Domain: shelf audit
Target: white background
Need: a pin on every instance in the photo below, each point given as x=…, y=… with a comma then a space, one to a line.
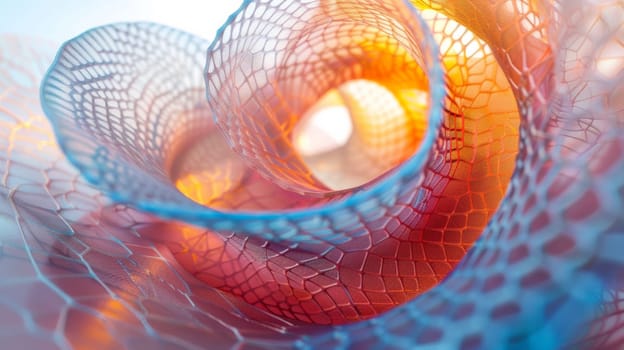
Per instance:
x=60, y=20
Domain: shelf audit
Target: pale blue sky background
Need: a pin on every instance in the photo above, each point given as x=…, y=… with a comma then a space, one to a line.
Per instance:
x=59, y=20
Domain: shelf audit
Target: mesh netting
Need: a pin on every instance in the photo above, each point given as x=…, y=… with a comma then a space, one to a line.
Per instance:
x=477, y=198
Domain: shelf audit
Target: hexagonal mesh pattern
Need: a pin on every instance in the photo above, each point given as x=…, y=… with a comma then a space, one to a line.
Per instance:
x=495, y=222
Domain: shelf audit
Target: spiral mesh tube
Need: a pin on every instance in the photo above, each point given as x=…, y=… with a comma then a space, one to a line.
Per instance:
x=475, y=204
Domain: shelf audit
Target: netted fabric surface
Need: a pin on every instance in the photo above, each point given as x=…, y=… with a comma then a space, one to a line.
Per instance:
x=249, y=243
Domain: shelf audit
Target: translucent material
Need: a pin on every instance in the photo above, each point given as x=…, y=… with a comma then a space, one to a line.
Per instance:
x=494, y=223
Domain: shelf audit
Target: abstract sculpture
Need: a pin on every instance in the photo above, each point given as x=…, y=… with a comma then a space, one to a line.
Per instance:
x=476, y=203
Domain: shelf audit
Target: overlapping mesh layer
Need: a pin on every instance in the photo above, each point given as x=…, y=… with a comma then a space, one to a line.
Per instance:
x=472, y=92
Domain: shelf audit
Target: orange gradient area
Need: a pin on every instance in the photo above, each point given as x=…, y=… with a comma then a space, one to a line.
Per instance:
x=86, y=329
x=382, y=133
x=380, y=123
x=208, y=170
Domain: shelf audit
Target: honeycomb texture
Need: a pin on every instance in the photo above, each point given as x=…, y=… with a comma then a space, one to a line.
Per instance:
x=491, y=213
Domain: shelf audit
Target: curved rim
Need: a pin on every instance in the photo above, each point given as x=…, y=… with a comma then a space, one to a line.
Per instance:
x=198, y=213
